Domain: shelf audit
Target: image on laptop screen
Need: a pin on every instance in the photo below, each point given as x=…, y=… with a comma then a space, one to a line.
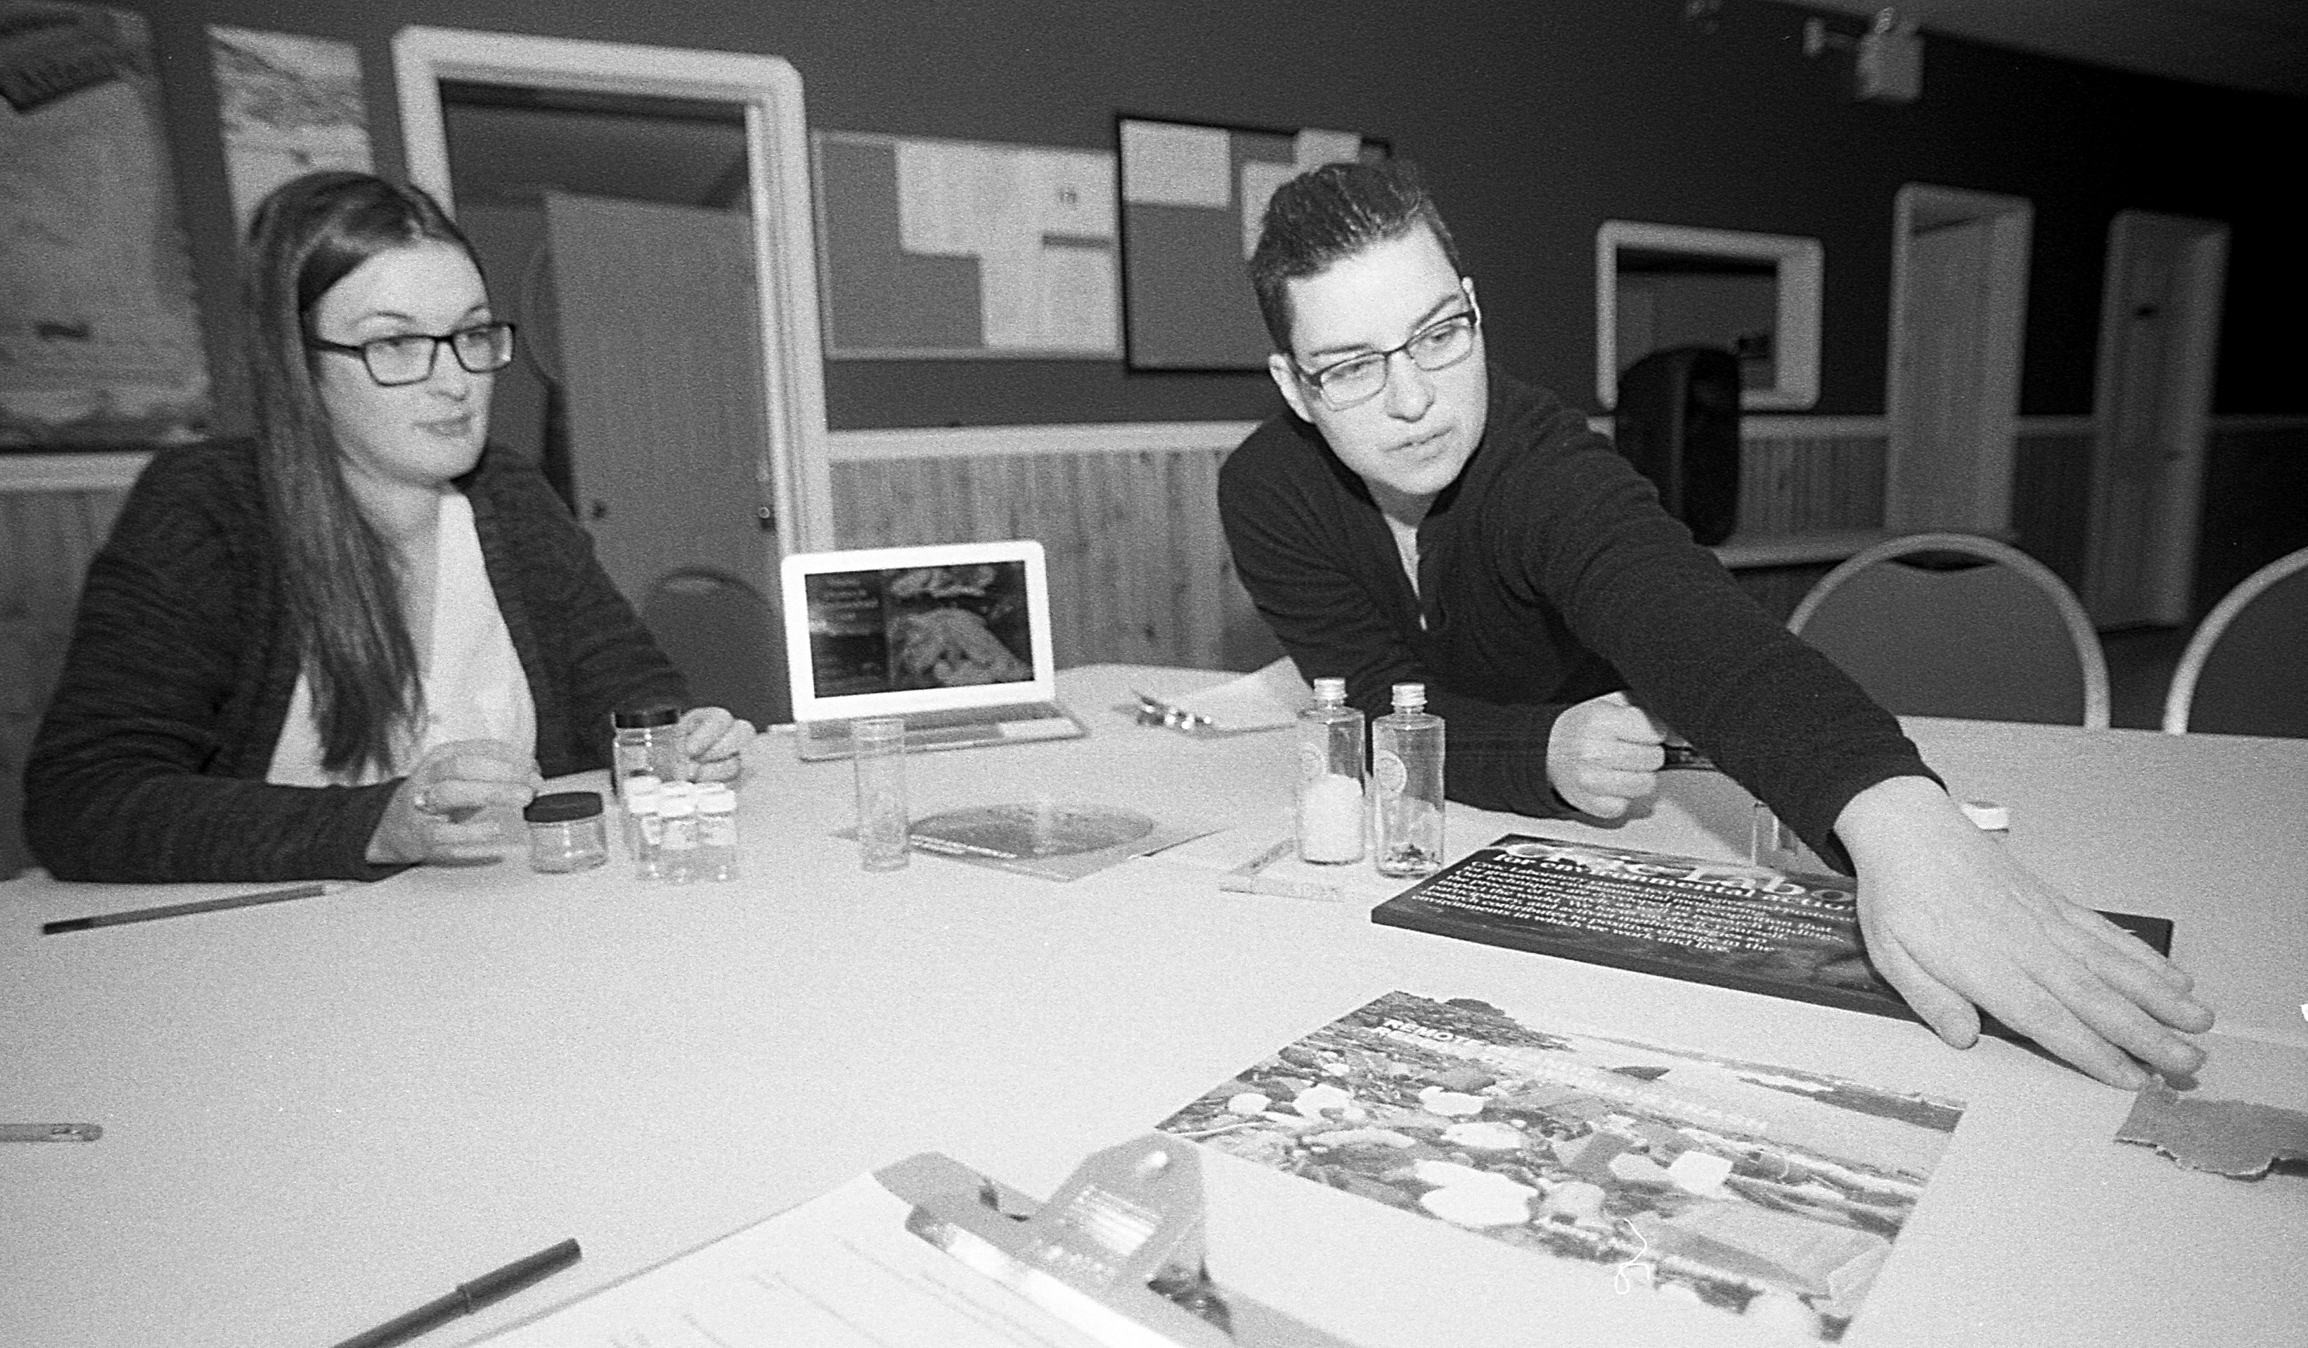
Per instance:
x=934, y=628
x=896, y=629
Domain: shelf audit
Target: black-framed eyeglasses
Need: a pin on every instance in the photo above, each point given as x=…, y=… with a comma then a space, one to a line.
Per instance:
x=483, y=348
x=1358, y=379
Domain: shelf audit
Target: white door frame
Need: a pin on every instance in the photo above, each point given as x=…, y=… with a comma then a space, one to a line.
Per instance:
x=2011, y=224
x=777, y=160
x=2183, y=413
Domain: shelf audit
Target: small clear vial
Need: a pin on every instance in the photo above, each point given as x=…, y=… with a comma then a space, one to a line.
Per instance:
x=647, y=742
x=644, y=826
x=677, y=833
x=1406, y=772
x=1330, y=805
x=878, y=753
x=566, y=832
x=716, y=831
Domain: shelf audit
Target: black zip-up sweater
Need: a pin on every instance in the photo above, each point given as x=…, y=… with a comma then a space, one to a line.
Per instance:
x=1548, y=574
x=150, y=763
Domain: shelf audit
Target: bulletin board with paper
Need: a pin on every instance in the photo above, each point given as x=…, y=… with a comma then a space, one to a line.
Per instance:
x=934, y=248
x=1192, y=197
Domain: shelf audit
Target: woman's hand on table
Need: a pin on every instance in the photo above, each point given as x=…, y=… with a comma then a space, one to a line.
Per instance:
x=440, y=813
x=1604, y=755
x=714, y=743
x=1958, y=926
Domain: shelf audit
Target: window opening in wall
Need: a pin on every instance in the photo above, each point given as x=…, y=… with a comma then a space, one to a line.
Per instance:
x=1755, y=295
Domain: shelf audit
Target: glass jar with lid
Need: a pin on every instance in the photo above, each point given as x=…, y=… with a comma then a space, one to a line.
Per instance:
x=566, y=832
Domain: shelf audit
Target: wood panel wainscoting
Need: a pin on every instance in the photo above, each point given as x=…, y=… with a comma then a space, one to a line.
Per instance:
x=2051, y=493
x=1810, y=494
x=1129, y=513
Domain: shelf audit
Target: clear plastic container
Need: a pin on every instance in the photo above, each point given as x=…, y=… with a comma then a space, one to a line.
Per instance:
x=716, y=832
x=884, y=831
x=1770, y=842
x=566, y=832
x=643, y=825
x=1406, y=772
x=677, y=833
x=647, y=742
x=1330, y=806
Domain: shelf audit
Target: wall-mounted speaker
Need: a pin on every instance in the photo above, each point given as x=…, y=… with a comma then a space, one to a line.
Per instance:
x=1678, y=423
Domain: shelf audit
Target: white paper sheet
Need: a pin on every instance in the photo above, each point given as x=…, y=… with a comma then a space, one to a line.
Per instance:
x=840, y=1271
x=1314, y=147
x=1261, y=700
x=1164, y=164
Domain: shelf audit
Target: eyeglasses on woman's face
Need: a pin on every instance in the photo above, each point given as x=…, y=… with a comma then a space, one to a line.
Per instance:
x=1358, y=379
x=409, y=357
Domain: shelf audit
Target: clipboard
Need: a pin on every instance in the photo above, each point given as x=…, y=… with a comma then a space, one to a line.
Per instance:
x=928, y=1250
x=1117, y=1252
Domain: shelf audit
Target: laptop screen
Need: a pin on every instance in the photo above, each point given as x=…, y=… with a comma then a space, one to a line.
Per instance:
x=892, y=630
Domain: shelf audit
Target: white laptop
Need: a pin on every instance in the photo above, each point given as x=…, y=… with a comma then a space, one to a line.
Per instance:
x=954, y=637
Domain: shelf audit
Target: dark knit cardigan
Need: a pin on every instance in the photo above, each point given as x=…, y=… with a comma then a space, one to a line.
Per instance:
x=1548, y=574
x=150, y=763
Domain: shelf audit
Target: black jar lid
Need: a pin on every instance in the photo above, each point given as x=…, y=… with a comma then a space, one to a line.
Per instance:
x=645, y=718
x=562, y=807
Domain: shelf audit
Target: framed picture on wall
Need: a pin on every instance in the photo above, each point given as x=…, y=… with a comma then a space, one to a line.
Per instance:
x=1192, y=196
x=291, y=105
x=100, y=342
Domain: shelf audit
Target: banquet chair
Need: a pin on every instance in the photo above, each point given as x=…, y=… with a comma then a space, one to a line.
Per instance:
x=2245, y=671
x=1947, y=624
x=725, y=638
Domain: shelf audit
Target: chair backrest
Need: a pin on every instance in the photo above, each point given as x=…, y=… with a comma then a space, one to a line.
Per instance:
x=1958, y=625
x=2245, y=671
x=725, y=638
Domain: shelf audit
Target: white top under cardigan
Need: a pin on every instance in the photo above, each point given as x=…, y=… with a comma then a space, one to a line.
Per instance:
x=473, y=684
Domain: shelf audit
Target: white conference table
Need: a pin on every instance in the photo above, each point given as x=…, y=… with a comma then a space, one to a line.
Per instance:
x=320, y=1114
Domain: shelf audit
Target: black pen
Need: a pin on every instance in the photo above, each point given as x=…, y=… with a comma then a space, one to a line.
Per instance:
x=469, y=1297
x=1685, y=757
x=181, y=909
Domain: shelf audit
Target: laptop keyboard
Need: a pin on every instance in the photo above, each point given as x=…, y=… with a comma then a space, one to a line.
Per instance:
x=972, y=716
x=1024, y=721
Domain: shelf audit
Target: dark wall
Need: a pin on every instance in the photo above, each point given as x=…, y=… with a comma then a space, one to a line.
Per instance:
x=1535, y=122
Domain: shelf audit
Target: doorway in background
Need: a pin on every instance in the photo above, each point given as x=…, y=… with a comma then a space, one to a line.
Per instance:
x=595, y=120
x=1958, y=307
x=2151, y=406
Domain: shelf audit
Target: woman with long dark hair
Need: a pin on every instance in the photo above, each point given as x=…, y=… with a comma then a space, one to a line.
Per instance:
x=332, y=648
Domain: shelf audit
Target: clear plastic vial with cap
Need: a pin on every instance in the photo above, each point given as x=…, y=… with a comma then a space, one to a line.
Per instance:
x=677, y=833
x=647, y=742
x=1330, y=805
x=644, y=827
x=565, y=832
x=716, y=831
x=1406, y=772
